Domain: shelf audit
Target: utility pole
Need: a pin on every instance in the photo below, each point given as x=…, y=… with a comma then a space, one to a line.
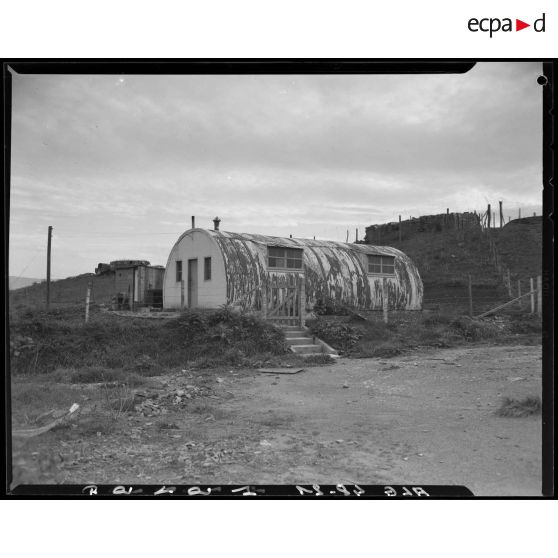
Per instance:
x=501, y=215
x=48, y=268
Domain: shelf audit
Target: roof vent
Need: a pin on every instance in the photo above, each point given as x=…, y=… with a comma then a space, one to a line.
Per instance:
x=216, y=222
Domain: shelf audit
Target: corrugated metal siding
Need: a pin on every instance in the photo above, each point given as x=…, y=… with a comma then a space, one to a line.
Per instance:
x=332, y=269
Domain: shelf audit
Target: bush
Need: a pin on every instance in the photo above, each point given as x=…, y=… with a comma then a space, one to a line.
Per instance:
x=338, y=335
x=520, y=407
x=60, y=339
x=330, y=307
x=474, y=330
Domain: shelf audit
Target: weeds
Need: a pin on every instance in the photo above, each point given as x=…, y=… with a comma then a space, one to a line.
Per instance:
x=515, y=408
x=44, y=342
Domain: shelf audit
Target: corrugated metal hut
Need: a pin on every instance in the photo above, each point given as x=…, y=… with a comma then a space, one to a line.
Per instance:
x=209, y=268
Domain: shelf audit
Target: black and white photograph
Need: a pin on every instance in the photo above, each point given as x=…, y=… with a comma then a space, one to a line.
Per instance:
x=321, y=279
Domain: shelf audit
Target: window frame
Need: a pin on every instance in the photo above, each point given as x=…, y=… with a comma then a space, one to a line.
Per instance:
x=391, y=266
x=282, y=254
x=206, y=268
x=179, y=271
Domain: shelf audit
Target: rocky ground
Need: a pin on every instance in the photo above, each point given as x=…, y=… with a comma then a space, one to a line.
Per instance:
x=425, y=418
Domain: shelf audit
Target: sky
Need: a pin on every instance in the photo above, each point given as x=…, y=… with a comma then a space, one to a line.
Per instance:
x=118, y=164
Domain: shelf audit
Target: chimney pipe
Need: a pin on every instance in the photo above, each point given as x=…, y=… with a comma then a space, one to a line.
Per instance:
x=193, y=221
x=216, y=222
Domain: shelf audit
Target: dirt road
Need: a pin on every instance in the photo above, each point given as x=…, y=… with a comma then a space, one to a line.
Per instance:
x=421, y=419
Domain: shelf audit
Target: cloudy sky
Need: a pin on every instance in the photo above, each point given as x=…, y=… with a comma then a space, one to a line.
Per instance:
x=118, y=164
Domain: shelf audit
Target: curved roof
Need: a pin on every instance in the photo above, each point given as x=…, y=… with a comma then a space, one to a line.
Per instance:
x=332, y=269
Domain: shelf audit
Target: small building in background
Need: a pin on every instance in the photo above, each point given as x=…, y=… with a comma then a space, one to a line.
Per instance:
x=137, y=284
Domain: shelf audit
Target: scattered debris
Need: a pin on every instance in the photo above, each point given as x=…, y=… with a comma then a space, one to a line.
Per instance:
x=30, y=432
x=280, y=370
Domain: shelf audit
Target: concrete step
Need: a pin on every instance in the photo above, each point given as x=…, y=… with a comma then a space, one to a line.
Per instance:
x=298, y=340
x=306, y=349
x=295, y=333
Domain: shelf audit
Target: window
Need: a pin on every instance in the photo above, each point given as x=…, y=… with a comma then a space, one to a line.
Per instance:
x=284, y=258
x=384, y=265
x=207, y=269
x=178, y=271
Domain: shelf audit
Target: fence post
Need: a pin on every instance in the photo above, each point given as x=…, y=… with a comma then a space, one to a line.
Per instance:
x=399, y=228
x=519, y=293
x=539, y=295
x=384, y=300
x=263, y=291
x=302, y=299
x=532, y=297
x=470, y=297
x=87, y=299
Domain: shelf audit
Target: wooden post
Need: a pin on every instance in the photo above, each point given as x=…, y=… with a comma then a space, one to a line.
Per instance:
x=532, y=285
x=519, y=213
x=193, y=221
x=399, y=228
x=501, y=215
x=264, y=301
x=356, y=235
x=489, y=215
x=539, y=295
x=470, y=296
x=508, y=276
x=385, y=300
x=302, y=300
x=519, y=293
x=87, y=299
x=182, y=293
x=49, y=243
x=347, y=239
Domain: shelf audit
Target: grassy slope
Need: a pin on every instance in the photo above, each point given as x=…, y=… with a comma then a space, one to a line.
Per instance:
x=65, y=292
x=519, y=244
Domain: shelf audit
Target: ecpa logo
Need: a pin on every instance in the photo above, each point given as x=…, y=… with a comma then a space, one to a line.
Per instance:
x=494, y=24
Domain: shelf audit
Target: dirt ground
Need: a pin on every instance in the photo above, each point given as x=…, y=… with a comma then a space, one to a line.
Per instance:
x=426, y=418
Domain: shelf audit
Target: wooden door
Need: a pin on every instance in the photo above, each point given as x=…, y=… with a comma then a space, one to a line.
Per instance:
x=285, y=294
x=192, y=283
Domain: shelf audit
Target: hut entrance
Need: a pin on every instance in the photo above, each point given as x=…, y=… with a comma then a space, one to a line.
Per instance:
x=284, y=297
x=192, y=283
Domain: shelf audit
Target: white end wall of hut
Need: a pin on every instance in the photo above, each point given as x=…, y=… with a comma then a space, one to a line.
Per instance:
x=195, y=244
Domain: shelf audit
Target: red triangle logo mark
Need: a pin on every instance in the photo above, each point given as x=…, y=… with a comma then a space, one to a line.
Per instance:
x=519, y=25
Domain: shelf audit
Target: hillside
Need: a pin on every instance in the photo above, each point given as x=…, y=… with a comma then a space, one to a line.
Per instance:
x=519, y=245
x=65, y=291
x=446, y=256
x=20, y=282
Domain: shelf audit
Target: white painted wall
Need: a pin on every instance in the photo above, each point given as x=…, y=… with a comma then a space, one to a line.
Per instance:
x=195, y=243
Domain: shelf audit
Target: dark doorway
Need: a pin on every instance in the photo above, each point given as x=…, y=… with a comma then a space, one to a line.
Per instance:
x=192, y=283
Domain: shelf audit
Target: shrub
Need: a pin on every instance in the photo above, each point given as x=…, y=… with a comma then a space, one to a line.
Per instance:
x=520, y=407
x=338, y=335
x=44, y=342
x=328, y=306
x=474, y=330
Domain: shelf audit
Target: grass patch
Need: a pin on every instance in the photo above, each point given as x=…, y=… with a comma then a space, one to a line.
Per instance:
x=42, y=342
x=317, y=360
x=372, y=337
x=515, y=408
